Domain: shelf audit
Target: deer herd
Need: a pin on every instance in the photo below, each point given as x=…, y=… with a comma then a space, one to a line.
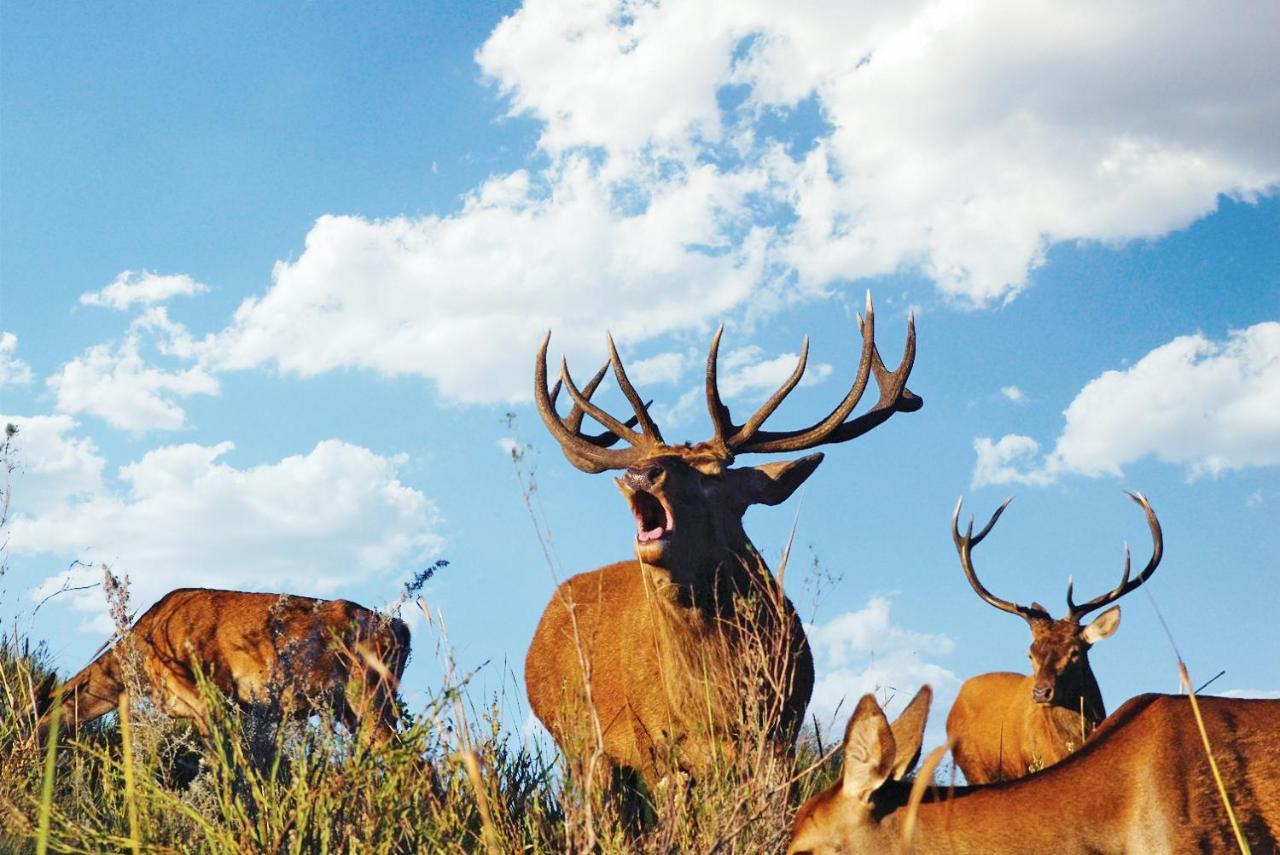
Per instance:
x=636, y=666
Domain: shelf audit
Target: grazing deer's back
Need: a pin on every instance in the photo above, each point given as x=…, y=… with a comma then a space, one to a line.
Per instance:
x=244, y=640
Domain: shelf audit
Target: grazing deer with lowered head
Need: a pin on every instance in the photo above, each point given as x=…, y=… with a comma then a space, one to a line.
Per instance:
x=1141, y=784
x=302, y=653
x=1002, y=724
x=634, y=663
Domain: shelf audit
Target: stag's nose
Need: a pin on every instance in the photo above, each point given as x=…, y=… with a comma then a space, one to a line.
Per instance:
x=1042, y=694
x=645, y=476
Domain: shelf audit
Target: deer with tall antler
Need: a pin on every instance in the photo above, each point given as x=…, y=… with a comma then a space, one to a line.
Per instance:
x=634, y=662
x=1002, y=724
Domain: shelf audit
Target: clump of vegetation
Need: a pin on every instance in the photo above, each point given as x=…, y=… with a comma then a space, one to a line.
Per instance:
x=454, y=779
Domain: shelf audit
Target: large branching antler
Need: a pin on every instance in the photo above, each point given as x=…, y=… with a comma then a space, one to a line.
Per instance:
x=895, y=397
x=592, y=453
x=964, y=545
x=1075, y=612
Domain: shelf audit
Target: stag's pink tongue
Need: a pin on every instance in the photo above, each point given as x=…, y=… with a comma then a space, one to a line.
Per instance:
x=647, y=534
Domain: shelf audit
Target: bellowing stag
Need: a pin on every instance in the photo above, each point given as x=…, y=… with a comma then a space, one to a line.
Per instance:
x=1003, y=724
x=1141, y=784
x=302, y=653
x=635, y=662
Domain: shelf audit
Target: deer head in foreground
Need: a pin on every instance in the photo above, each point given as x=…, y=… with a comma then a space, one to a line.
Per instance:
x=641, y=652
x=1004, y=724
x=303, y=653
x=1142, y=784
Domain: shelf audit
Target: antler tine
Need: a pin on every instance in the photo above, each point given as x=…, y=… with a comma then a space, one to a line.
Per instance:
x=642, y=413
x=796, y=440
x=743, y=436
x=580, y=450
x=719, y=413
x=895, y=397
x=595, y=412
x=1126, y=585
x=573, y=421
x=964, y=546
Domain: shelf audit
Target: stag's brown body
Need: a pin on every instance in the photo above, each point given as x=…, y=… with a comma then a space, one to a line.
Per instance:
x=665, y=671
x=655, y=664
x=1142, y=784
x=302, y=653
x=1004, y=725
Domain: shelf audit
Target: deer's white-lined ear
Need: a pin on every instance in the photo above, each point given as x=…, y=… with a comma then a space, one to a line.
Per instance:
x=1103, y=626
x=868, y=751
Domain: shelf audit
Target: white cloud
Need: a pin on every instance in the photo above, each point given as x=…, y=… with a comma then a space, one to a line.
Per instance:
x=768, y=154
x=666, y=367
x=1012, y=459
x=117, y=385
x=465, y=299
x=864, y=651
x=309, y=523
x=962, y=138
x=1212, y=407
x=53, y=467
x=1013, y=393
x=1272, y=694
x=143, y=287
x=13, y=371
x=746, y=372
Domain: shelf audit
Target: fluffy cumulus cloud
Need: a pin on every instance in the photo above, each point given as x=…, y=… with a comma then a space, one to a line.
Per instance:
x=465, y=299
x=960, y=137
x=118, y=385
x=865, y=651
x=53, y=465
x=746, y=372
x=183, y=516
x=1208, y=406
x=142, y=288
x=770, y=153
x=13, y=371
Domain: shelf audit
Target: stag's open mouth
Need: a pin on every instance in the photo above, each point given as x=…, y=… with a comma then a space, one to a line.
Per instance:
x=653, y=520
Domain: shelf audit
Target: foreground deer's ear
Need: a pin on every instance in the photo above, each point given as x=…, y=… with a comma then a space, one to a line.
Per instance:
x=773, y=483
x=868, y=751
x=1103, y=626
x=908, y=732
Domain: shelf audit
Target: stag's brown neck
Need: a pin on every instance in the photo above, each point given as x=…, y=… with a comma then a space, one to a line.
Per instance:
x=713, y=589
x=1074, y=718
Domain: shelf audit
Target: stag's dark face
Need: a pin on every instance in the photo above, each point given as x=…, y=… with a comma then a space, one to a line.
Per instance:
x=1059, y=655
x=688, y=506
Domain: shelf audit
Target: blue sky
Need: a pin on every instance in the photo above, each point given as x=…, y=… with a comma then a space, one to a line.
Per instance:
x=272, y=278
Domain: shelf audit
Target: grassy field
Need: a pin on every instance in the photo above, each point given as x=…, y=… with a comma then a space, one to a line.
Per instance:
x=453, y=780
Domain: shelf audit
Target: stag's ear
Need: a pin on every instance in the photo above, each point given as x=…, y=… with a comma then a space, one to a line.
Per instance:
x=1103, y=626
x=773, y=483
x=908, y=732
x=868, y=751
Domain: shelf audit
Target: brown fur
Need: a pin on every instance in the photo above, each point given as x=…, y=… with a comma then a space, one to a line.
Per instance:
x=1141, y=784
x=255, y=648
x=665, y=639
x=999, y=731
